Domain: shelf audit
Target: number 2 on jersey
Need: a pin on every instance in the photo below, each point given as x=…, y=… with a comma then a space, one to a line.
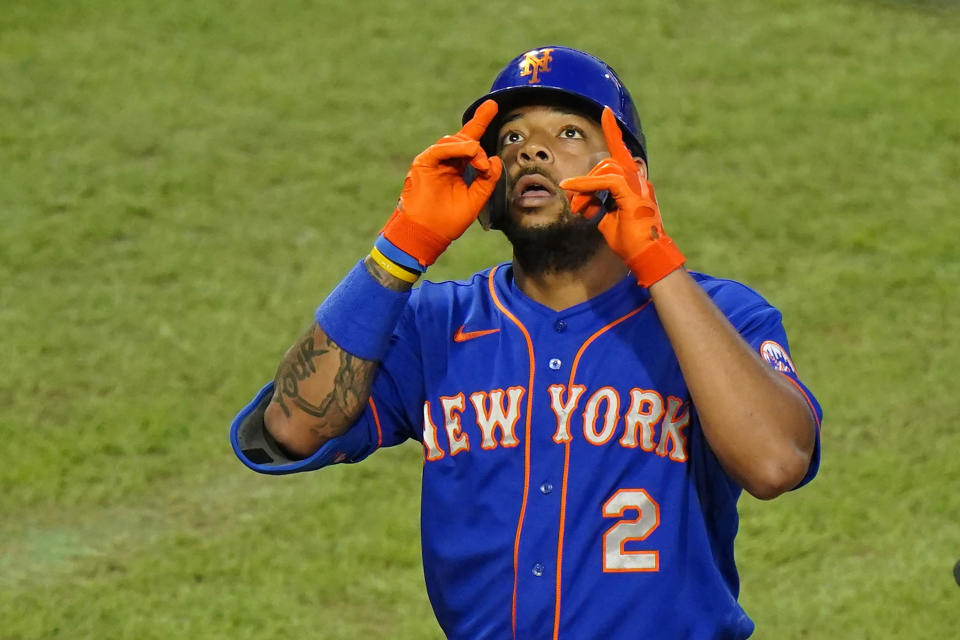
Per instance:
x=615, y=557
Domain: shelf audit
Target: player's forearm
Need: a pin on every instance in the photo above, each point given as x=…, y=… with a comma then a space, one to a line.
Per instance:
x=756, y=422
x=321, y=389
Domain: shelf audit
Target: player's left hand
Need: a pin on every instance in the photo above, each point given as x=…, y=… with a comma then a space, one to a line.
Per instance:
x=634, y=230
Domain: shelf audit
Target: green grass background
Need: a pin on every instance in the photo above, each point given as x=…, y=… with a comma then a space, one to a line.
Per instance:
x=182, y=182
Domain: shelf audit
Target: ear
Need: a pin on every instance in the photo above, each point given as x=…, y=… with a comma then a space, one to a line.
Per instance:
x=642, y=165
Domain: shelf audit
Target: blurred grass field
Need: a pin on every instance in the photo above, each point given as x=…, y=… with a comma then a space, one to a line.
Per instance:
x=182, y=182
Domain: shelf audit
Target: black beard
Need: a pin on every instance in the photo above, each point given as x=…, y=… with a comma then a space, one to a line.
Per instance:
x=561, y=246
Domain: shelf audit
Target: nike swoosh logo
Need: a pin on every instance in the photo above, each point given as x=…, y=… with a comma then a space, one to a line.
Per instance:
x=463, y=336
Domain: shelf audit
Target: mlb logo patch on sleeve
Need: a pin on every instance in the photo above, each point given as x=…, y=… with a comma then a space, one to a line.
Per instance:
x=776, y=356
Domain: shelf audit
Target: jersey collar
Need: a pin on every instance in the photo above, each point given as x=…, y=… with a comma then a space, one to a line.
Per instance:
x=619, y=299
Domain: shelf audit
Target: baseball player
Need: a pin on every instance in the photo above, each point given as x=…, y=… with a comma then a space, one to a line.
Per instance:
x=589, y=412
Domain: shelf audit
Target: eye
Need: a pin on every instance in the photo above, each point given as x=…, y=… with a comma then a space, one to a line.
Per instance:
x=510, y=137
x=571, y=132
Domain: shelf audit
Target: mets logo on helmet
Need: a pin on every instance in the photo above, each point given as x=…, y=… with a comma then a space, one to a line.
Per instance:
x=534, y=63
x=776, y=356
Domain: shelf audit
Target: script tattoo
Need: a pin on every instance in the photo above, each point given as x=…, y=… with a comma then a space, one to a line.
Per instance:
x=351, y=383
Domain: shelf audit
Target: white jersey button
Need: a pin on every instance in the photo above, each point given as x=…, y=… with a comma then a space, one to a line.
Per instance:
x=555, y=364
x=537, y=570
x=546, y=488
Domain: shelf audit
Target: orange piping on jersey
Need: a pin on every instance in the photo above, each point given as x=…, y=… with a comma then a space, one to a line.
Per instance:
x=526, y=445
x=563, y=508
x=566, y=466
x=816, y=418
x=376, y=421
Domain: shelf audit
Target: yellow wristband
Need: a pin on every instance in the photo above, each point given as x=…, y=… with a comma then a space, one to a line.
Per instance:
x=392, y=267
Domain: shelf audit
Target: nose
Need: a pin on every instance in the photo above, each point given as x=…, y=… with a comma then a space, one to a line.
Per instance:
x=532, y=152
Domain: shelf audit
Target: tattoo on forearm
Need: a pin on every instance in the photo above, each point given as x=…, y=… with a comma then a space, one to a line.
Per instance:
x=297, y=366
x=351, y=384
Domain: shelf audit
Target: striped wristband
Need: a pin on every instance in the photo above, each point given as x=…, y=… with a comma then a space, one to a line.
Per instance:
x=397, y=255
x=393, y=268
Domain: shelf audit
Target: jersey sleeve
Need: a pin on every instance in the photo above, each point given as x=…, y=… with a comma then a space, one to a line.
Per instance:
x=761, y=325
x=386, y=421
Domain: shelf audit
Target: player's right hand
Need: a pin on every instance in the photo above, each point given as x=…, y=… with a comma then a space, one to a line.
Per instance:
x=436, y=206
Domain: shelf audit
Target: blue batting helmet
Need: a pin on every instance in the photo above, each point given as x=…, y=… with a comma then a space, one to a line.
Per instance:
x=568, y=76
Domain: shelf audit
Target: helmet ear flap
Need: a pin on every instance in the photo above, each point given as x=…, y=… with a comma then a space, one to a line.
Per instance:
x=495, y=208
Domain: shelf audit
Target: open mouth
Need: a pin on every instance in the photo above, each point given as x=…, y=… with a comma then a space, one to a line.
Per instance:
x=533, y=190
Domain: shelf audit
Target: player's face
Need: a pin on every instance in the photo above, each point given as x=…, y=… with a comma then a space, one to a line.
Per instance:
x=541, y=146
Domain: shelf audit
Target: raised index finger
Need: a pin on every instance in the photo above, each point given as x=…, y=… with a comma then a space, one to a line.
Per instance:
x=481, y=119
x=614, y=137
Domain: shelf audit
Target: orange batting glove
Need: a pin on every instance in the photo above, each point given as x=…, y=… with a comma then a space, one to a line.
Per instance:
x=634, y=230
x=436, y=206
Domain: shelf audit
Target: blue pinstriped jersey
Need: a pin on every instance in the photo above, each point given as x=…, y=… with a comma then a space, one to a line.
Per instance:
x=568, y=490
